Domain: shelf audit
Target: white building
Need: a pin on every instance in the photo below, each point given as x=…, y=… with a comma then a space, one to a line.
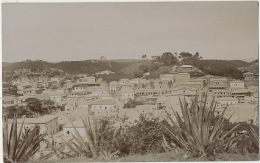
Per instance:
x=135, y=81
x=123, y=81
x=79, y=126
x=127, y=93
x=227, y=101
x=48, y=124
x=102, y=105
x=186, y=68
x=91, y=79
x=237, y=84
x=113, y=86
x=55, y=97
x=168, y=77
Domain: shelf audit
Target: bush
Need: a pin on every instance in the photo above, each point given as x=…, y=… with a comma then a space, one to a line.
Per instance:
x=145, y=136
x=132, y=104
x=198, y=132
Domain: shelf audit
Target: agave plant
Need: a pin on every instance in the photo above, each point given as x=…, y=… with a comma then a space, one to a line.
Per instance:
x=255, y=137
x=20, y=147
x=91, y=147
x=198, y=130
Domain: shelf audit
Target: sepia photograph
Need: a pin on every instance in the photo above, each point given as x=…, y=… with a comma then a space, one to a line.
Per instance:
x=130, y=81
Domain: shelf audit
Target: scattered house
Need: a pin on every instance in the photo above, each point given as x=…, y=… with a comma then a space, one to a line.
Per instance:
x=166, y=102
x=29, y=91
x=78, y=124
x=146, y=74
x=113, y=86
x=78, y=87
x=82, y=75
x=127, y=93
x=82, y=105
x=55, y=79
x=156, y=57
x=123, y=81
x=237, y=84
x=249, y=76
x=221, y=93
x=135, y=81
x=102, y=105
x=227, y=101
x=105, y=72
x=147, y=92
x=181, y=77
x=174, y=68
x=91, y=79
x=242, y=113
x=207, y=78
x=148, y=100
x=96, y=91
x=70, y=107
x=48, y=124
x=106, y=96
x=218, y=83
x=193, y=84
x=55, y=97
x=186, y=68
x=60, y=91
x=168, y=77
x=182, y=91
x=240, y=94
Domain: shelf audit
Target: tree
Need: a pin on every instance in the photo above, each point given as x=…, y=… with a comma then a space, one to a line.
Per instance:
x=144, y=68
x=168, y=58
x=34, y=105
x=138, y=74
x=144, y=56
x=185, y=55
x=154, y=66
x=152, y=84
x=132, y=104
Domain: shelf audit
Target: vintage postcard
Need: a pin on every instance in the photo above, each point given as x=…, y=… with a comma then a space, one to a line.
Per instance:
x=130, y=82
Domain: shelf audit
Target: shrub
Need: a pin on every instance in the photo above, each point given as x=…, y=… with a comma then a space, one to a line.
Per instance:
x=143, y=137
x=20, y=146
x=132, y=103
x=197, y=132
x=100, y=139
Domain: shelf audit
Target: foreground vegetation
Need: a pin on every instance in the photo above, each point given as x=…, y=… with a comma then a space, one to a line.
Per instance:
x=195, y=134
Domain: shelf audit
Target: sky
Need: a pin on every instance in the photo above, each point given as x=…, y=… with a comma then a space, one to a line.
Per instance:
x=80, y=31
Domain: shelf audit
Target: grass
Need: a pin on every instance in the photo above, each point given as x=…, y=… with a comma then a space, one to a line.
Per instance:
x=163, y=157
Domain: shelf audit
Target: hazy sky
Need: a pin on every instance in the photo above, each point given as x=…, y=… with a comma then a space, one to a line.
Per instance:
x=81, y=31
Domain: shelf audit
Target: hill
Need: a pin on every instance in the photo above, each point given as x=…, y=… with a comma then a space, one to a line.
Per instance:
x=75, y=67
x=131, y=68
x=228, y=63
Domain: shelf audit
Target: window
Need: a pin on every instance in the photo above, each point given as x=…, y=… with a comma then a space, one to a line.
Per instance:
x=68, y=132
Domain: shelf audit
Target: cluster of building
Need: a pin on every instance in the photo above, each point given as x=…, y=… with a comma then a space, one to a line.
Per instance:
x=91, y=94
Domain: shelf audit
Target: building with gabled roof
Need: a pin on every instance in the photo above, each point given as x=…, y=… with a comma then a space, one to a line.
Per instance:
x=48, y=124
x=127, y=93
x=227, y=100
x=102, y=105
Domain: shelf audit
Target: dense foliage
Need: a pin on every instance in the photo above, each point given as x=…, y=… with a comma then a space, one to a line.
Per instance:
x=20, y=145
x=132, y=103
x=198, y=132
x=144, y=136
x=33, y=106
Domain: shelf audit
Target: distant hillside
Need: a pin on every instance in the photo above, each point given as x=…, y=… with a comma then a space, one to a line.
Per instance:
x=75, y=67
x=227, y=63
x=220, y=67
x=130, y=68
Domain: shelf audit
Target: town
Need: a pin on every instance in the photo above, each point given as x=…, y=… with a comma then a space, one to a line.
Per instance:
x=57, y=102
x=130, y=81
